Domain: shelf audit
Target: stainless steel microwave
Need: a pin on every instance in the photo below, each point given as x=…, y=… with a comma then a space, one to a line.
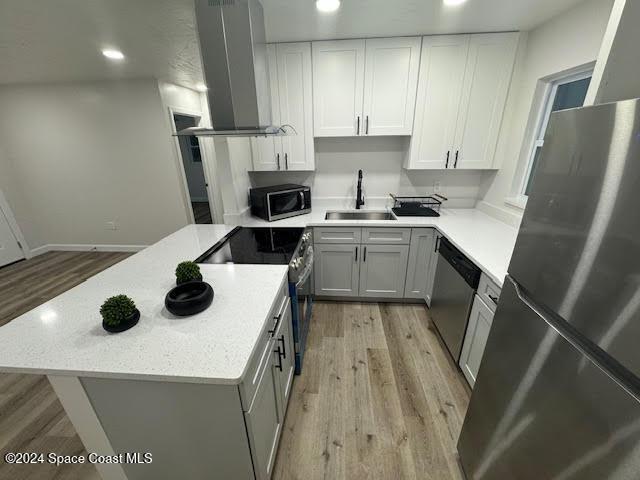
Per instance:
x=280, y=201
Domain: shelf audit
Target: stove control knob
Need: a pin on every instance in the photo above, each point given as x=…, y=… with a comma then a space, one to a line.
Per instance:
x=296, y=263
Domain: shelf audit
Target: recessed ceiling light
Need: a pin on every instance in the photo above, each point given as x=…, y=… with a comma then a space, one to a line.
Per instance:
x=327, y=5
x=201, y=87
x=453, y=3
x=113, y=54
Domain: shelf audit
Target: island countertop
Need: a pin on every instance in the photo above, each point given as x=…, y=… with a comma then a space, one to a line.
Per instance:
x=64, y=336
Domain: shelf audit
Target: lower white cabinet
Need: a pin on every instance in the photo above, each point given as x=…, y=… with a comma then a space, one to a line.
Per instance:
x=336, y=268
x=475, y=339
x=383, y=269
x=421, y=251
x=285, y=364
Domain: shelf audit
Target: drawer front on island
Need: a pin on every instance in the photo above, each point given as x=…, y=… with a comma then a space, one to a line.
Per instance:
x=265, y=347
x=337, y=234
x=386, y=236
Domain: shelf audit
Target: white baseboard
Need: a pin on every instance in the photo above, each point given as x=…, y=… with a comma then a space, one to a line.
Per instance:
x=502, y=214
x=71, y=247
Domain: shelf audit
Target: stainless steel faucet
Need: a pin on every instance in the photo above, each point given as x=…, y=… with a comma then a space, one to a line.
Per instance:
x=359, y=196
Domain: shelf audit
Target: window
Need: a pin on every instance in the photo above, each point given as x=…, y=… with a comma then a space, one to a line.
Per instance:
x=564, y=93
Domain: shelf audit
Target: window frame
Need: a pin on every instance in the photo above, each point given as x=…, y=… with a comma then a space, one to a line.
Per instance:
x=541, y=128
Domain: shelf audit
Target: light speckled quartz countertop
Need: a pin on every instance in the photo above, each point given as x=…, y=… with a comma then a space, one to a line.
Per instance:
x=64, y=336
x=486, y=241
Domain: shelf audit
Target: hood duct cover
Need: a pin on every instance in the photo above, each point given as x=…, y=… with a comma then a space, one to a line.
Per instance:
x=234, y=61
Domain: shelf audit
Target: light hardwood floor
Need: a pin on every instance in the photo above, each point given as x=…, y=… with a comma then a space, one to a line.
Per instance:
x=378, y=397
x=31, y=417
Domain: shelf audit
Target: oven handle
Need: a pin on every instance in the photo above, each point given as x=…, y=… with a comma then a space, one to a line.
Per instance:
x=307, y=271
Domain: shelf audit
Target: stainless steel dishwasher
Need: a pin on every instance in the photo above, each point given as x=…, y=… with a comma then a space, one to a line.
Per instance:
x=455, y=284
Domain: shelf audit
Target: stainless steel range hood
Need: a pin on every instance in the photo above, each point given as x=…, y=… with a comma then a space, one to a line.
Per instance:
x=234, y=63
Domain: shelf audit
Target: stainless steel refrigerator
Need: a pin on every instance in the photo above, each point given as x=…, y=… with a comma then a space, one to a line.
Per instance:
x=557, y=394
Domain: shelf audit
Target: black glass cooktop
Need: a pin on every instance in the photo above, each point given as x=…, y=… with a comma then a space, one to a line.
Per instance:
x=254, y=246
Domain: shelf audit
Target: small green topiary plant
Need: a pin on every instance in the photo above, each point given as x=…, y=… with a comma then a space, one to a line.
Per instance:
x=116, y=310
x=187, y=271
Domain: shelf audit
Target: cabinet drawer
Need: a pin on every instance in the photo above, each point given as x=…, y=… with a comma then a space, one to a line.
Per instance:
x=264, y=349
x=337, y=234
x=386, y=236
x=489, y=292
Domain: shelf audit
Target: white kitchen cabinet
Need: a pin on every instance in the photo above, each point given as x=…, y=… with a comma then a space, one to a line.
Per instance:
x=365, y=87
x=390, y=84
x=285, y=364
x=264, y=423
x=486, y=84
x=290, y=77
x=438, y=101
x=431, y=271
x=338, y=87
x=421, y=250
x=462, y=90
x=383, y=269
x=475, y=339
x=336, y=269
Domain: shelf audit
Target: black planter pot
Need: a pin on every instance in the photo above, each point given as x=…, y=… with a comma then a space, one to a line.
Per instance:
x=126, y=325
x=189, y=298
x=198, y=279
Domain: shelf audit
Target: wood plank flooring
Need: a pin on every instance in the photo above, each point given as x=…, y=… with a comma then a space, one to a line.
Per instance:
x=378, y=398
x=31, y=417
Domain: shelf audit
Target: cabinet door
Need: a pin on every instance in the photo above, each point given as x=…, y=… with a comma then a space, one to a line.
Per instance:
x=390, y=84
x=263, y=424
x=475, y=339
x=338, y=87
x=431, y=271
x=439, y=91
x=267, y=151
x=421, y=250
x=336, y=269
x=285, y=364
x=486, y=83
x=296, y=103
x=383, y=270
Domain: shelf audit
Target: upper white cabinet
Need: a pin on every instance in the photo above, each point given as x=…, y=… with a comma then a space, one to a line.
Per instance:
x=338, y=87
x=462, y=91
x=365, y=87
x=290, y=75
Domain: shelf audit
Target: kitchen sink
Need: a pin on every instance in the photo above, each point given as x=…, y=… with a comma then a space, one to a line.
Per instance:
x=359, y=216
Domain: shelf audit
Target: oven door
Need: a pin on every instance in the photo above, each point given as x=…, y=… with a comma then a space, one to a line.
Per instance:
x=303, y=305
x=288, y=203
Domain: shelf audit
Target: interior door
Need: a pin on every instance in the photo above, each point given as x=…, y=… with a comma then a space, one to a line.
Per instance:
x=390, y=84
x=338, y=87
x=296, y=104
x=542, y=409
x=439, y=91
x=486, y=84
x=10, y=251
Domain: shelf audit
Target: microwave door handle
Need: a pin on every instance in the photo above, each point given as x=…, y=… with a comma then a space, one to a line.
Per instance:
x=302, y=199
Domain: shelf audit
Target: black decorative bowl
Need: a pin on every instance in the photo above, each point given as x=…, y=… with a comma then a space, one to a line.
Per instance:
x=126, y=325
x=189, y=298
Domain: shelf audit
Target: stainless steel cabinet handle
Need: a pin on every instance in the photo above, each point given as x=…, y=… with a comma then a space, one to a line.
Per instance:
x=356, y=254
x=358, y=133
x=278, y=160
x=493, y=299
x=446, y=165
x=367, y=126
x=437, y=243
x=364, y=255
x=279, y=366
x=284, y=350
x=455, y=164
x=286, y=161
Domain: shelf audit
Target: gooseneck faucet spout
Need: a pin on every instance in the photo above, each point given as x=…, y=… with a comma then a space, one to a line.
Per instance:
x=359, y=196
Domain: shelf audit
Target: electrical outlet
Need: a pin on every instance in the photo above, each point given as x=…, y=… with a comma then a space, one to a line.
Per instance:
x=436, y=187
x=111, y=225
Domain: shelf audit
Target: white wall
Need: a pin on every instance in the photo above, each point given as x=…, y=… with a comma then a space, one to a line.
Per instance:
x=566, y=41
x=381, y=159
x=80, y=155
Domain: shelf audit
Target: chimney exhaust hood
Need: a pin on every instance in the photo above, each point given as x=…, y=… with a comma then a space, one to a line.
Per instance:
x=232, y=41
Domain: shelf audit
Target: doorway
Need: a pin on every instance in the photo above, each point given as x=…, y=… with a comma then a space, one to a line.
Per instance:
x=10, y=250
x=192, y=165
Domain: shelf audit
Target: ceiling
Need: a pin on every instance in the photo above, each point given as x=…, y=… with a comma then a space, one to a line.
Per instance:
x=45, y=41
